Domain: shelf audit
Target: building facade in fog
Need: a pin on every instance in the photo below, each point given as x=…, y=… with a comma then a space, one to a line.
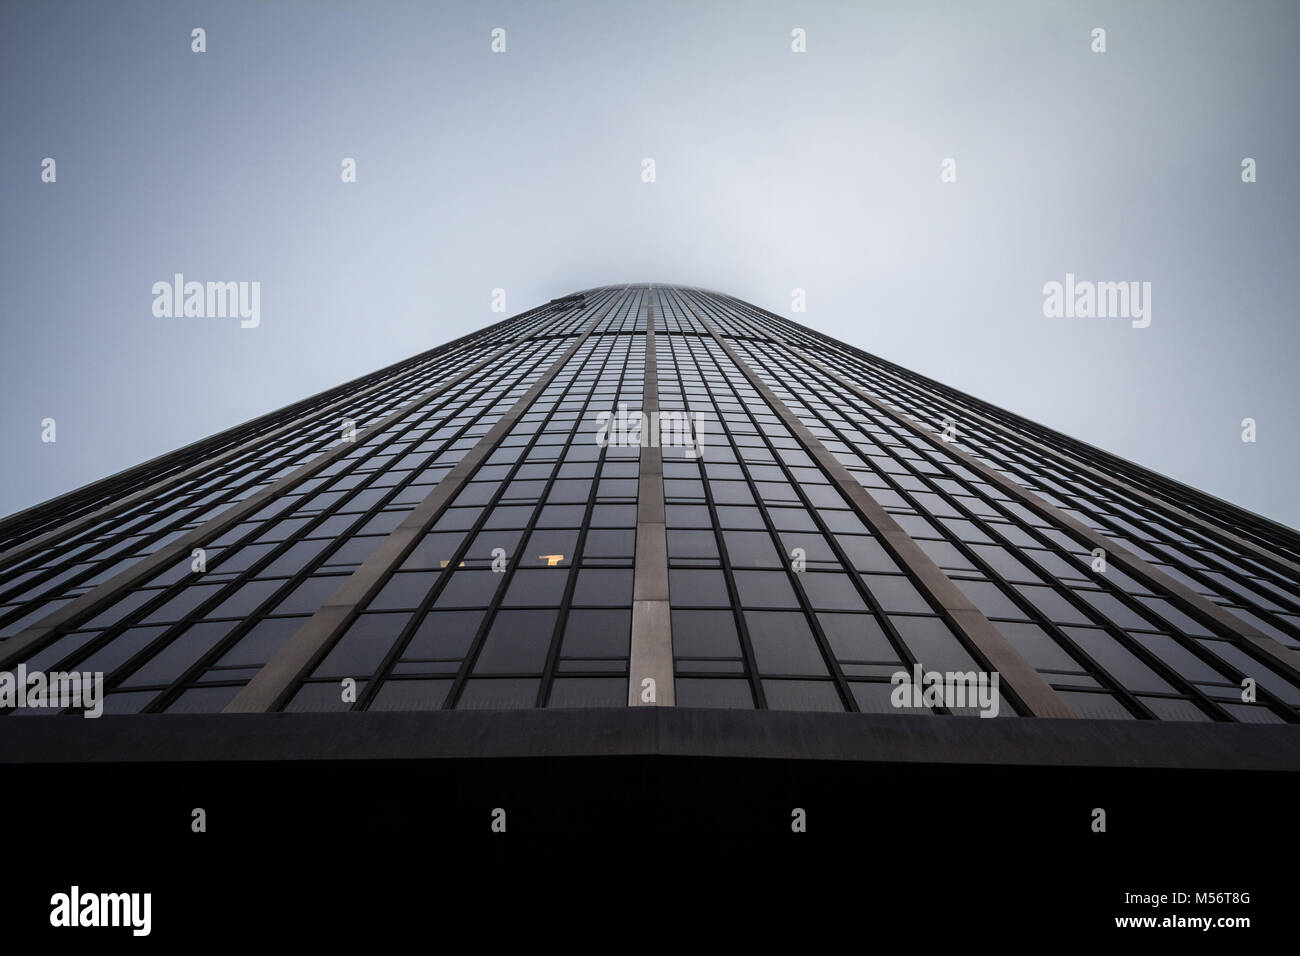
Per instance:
x=654, y=496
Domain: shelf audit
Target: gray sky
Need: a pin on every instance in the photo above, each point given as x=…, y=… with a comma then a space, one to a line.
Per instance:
x=775, y=171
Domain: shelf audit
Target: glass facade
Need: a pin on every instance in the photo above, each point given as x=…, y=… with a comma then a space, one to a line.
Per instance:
x=460, y=531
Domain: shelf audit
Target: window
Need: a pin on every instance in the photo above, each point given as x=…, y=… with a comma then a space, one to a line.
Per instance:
x=783, y=643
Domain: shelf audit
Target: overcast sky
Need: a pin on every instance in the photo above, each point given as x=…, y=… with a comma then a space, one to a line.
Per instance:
x=775, y=170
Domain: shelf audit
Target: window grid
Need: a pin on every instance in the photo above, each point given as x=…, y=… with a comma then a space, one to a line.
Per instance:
x=748, y=629
x=514, y=369
x=565, y=398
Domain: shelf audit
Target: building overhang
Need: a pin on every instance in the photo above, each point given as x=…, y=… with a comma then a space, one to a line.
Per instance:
x=650, y=731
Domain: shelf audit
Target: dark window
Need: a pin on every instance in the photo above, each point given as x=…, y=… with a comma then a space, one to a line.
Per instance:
x=517, y=643
x=405, y=589
x=603, y=586
x=468, y=588
x=359, y=651
x=544, y=586
x=705, y=634
x=261, y=642
x=765, y=589
x=181, y=654
x=697, y=586
x=692, y=544
x=714, y=692
x=933, y=645
x=443, y=634
x=597, y=633
x=783, y=643
x=856, y=637
x=831, y=592
x=751, y=549
x=801, y=695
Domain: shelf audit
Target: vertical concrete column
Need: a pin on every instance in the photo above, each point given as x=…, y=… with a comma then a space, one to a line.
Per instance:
x=650, y=675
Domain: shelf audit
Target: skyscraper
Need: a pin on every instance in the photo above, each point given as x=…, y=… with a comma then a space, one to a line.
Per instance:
x=641, y=496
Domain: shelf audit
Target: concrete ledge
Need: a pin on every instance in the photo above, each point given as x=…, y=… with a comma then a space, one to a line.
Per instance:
x=634, y=731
